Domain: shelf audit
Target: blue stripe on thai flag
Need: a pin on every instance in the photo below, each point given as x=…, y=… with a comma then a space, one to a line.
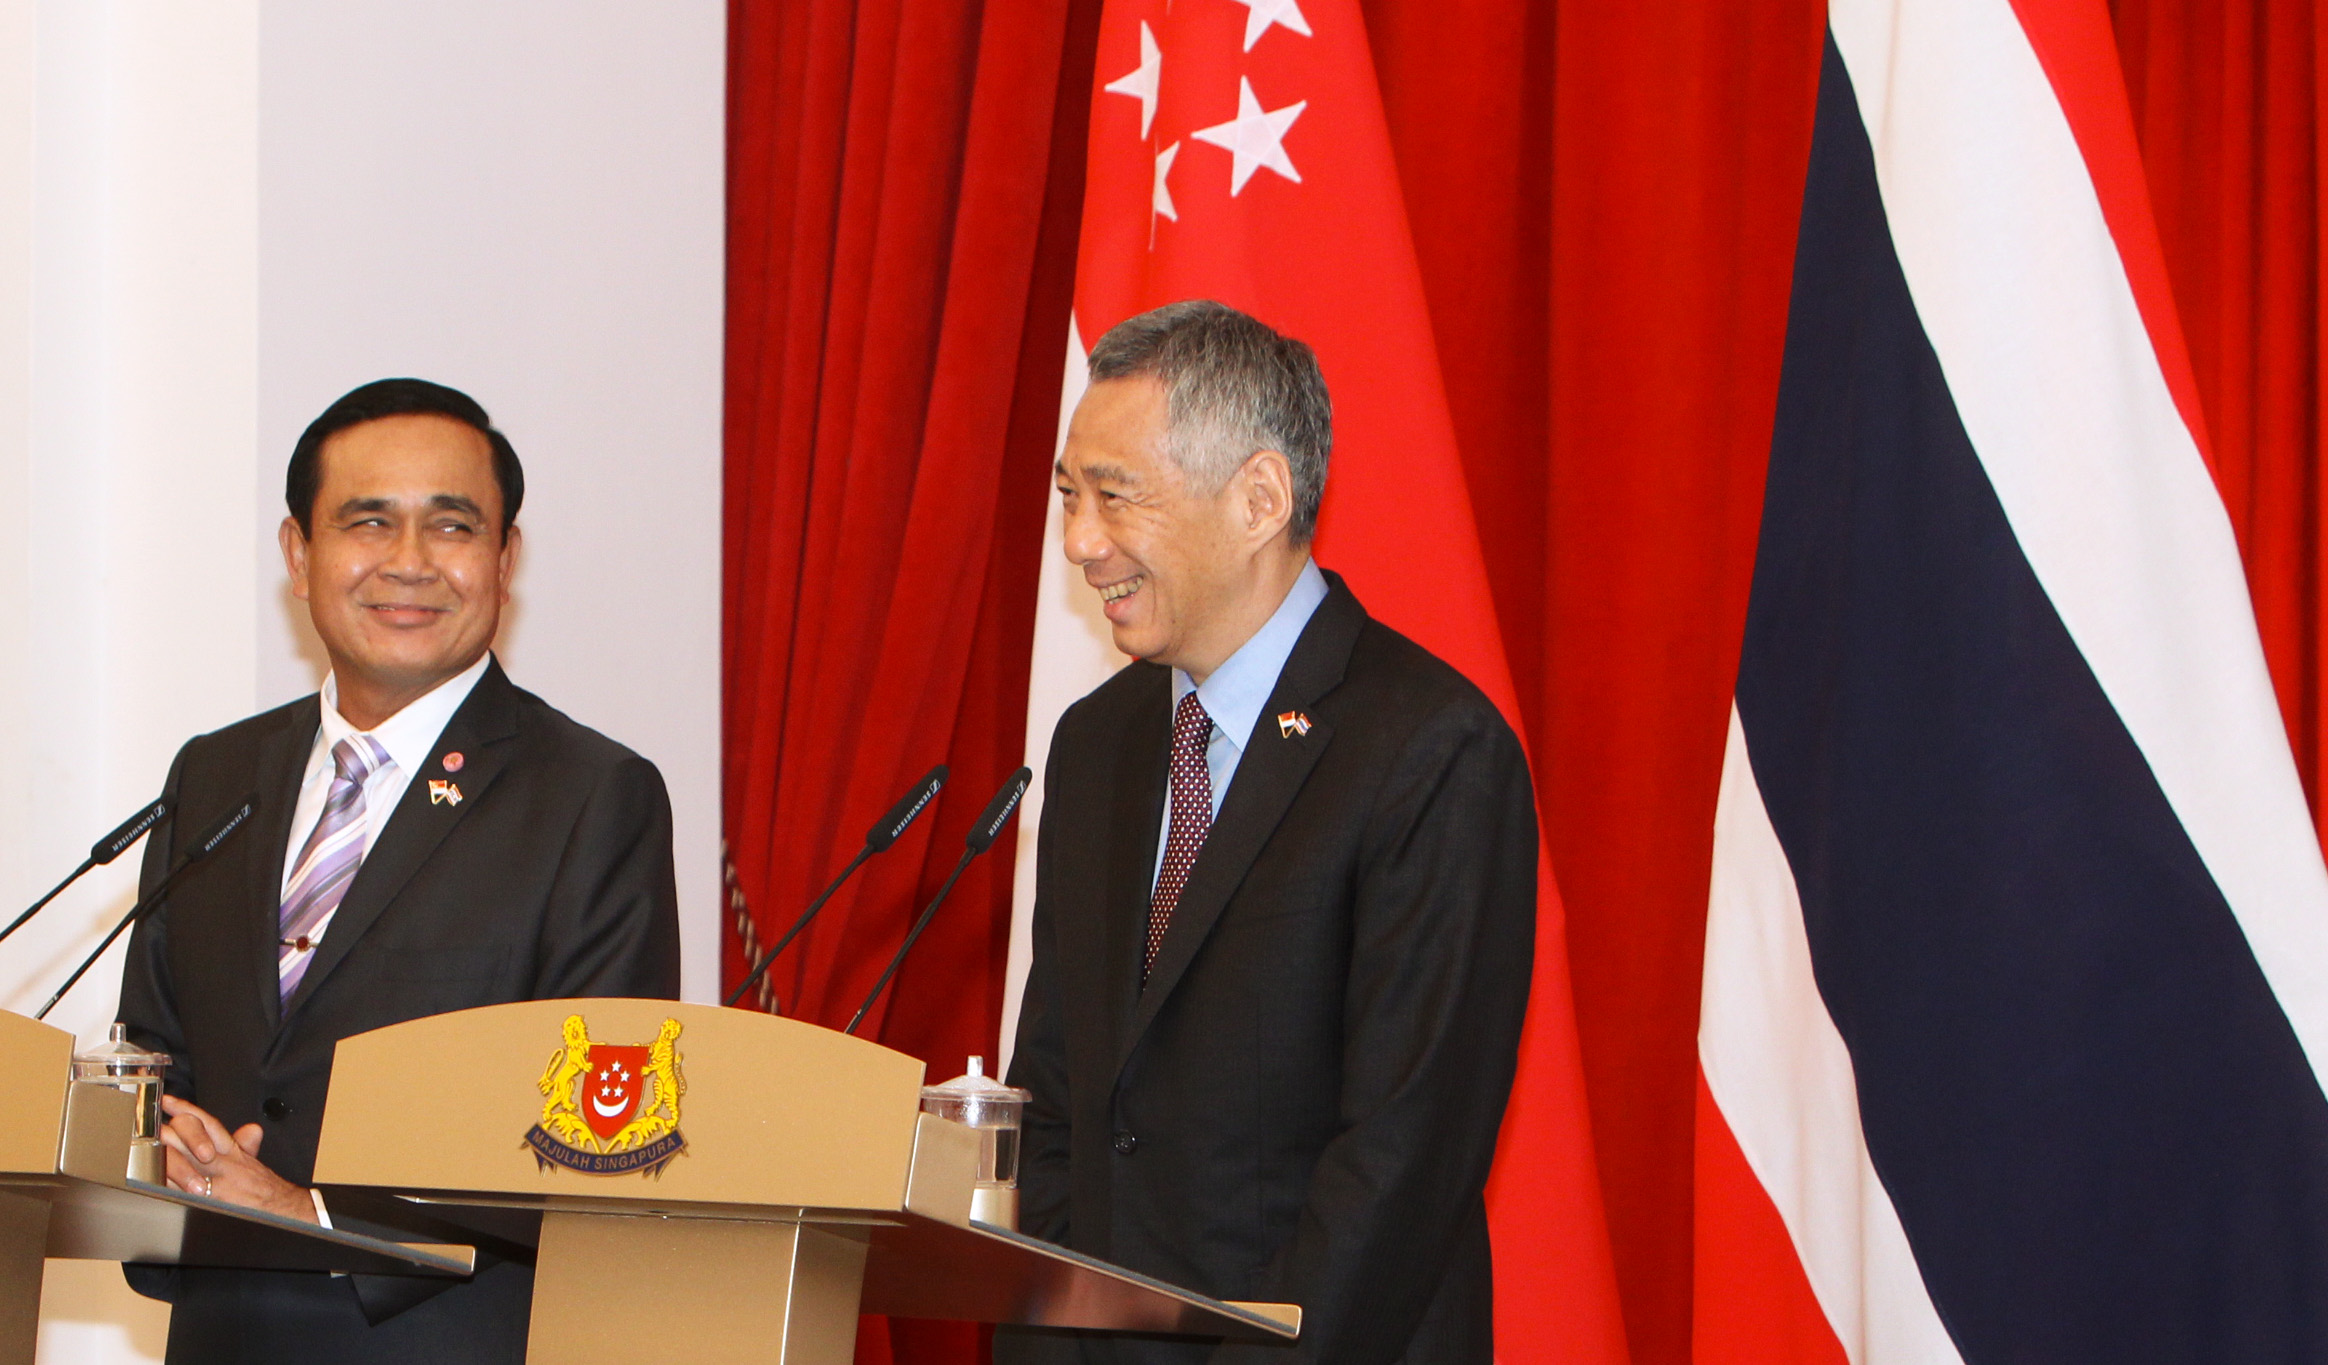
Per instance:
x=2018, y=924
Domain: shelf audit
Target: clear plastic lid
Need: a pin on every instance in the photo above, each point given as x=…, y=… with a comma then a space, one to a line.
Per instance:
x=976, y=1085
x=976, y=1099
x=117, y=1057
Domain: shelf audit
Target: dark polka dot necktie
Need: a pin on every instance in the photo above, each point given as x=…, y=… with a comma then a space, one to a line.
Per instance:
x=1192, y=813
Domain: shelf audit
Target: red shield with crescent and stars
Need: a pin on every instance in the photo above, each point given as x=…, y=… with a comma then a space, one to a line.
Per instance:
x=610, y=1092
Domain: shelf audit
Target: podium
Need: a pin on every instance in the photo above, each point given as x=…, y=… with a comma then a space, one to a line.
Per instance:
x=709, y=1185
x=65, y=1192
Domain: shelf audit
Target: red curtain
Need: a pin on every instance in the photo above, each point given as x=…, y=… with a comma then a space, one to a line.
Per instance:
x=904, y=191
x=2227, y=103
x=1604, y=200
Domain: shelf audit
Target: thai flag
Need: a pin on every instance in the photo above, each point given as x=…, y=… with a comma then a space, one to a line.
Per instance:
x=2016, y=985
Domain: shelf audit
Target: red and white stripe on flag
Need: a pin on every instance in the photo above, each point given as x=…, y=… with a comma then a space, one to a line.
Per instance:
x=2011, y=181
x=1238, y=153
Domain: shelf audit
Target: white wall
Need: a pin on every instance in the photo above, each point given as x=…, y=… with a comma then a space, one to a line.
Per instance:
x=217, y=215
x=524, y=200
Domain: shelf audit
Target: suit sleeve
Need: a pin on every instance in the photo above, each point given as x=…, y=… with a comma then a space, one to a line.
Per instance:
x=149, y=1005
x=1443, y=936
x=1038, y=1060
x=611, y=929
x=612, y=926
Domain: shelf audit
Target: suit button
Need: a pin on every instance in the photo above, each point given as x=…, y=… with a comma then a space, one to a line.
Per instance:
x=276, y=1108
x=1126, y=1144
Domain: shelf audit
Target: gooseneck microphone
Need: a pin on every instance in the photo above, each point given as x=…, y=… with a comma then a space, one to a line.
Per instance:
x=202, y=847
x=884, y=833
x=981, y=838
x=105, y=850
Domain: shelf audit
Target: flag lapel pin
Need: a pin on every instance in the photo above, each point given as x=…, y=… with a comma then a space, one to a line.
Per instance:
x=1291, y=723
x=443, y=793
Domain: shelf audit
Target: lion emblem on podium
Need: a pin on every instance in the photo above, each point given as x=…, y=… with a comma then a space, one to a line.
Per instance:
x=610, y=1108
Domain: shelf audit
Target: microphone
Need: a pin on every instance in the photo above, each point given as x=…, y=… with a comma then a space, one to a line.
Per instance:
x=105, y=850
x=981, y=838
x=203, y=846
x=884, y=833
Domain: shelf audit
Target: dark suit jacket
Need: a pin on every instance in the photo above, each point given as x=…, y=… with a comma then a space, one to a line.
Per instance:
x=1303, y=1102
x=551, y=878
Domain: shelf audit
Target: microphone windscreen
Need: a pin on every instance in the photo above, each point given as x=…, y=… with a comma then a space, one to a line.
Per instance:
x=222, y=831
x=908, y=808
x=997, y=812
x=113, y=845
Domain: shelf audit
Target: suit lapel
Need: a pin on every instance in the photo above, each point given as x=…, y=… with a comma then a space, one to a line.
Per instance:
x=1268, y=777
x=282, y=763
x=480, y=730
x=1134, y=827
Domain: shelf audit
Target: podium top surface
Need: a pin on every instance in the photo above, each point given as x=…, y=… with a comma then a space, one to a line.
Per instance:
x=970, y=1272
x=623, y=1100
x=68, y=1147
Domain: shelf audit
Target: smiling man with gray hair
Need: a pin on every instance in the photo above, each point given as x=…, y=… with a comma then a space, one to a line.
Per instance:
x=1285, y=890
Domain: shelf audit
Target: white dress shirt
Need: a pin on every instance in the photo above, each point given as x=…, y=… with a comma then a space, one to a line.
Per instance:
x=409, y=736
x=1234, y=694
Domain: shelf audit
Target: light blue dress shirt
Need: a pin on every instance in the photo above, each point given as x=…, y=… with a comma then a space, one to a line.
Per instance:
x=1237, y=691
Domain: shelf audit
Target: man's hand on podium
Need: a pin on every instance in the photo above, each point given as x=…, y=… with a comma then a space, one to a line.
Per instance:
x=203, y=1158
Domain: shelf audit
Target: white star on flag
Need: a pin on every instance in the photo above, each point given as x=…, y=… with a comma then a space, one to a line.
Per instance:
x=1254, y=138
x=1267, y=12
x=1163, y=198
x=1144, y=79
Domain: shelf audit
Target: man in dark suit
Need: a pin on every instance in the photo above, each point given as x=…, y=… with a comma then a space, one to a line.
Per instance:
x=428, y=837
x=1285, y=891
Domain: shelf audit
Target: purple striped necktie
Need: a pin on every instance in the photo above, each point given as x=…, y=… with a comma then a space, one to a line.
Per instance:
x=328, y=861
x=1192, y=815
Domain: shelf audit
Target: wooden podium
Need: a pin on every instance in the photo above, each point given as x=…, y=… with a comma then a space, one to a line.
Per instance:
x=65, y=1192
x=709, y=1185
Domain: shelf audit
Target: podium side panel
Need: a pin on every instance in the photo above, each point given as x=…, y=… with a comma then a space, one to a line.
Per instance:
x=694, y=1291
x=23, y=1233
x=771, y=1112
x=36, y=1063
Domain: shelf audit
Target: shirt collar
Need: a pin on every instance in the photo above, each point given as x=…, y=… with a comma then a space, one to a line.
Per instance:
x=1234, y=693
x=412, y=732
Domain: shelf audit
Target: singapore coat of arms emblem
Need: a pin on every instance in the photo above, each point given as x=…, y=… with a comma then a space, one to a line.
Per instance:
x=610, y=1109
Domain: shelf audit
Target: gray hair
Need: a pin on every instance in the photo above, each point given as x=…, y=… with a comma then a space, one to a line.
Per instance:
x=1232, y=386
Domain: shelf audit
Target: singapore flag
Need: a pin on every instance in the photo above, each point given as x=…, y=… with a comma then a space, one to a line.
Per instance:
x=1238, y=152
